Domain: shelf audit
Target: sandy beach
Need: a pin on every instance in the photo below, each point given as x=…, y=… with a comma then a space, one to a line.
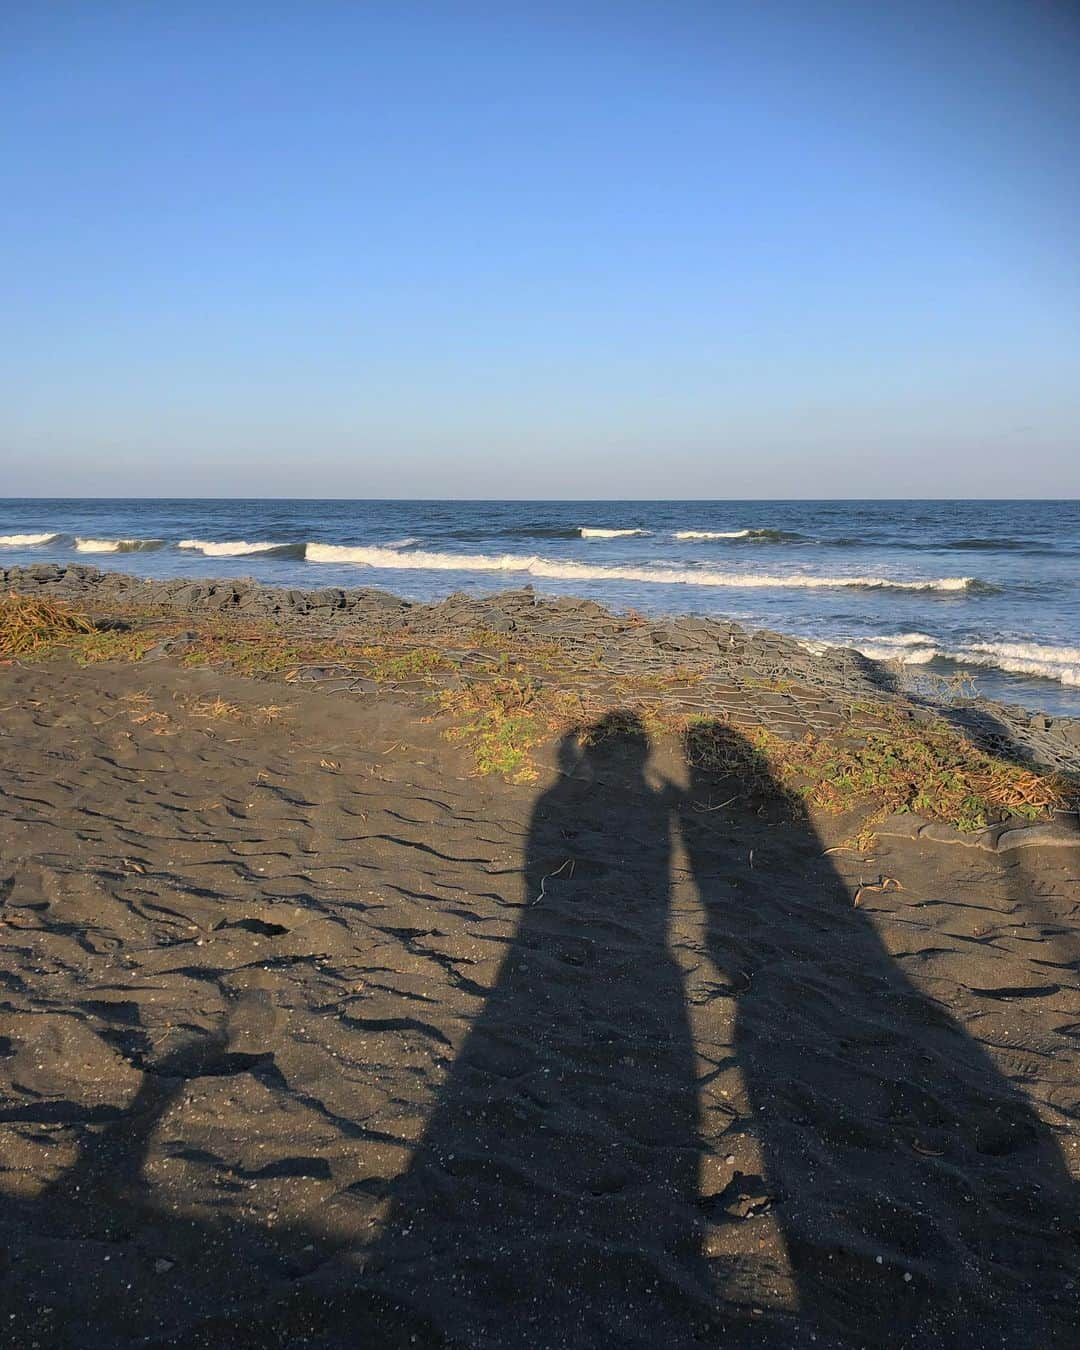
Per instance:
x=314, y=1035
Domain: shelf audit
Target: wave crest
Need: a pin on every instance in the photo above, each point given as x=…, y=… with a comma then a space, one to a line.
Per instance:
x=240, y=548
x=712, y=534
x=575, y=571
x=1014, y=658
x=762, y=536
x=26, y=540
x=118, y=545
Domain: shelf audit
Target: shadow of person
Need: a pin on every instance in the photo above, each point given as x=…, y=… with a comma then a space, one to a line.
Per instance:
x=94, y=1246
x=921, y=1200
x=552, y=1198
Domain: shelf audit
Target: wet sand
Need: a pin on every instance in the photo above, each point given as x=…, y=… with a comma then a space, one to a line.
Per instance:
x=311, y=1038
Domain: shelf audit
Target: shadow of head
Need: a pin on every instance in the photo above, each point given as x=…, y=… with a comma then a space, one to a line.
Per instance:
x=616, y=740
x=714, y=747
x=720, y=757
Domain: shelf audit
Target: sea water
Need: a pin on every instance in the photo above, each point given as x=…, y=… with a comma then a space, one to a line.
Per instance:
x=991, y=588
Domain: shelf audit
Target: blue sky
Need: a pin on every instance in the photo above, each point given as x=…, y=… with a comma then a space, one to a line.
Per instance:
x=601, y=249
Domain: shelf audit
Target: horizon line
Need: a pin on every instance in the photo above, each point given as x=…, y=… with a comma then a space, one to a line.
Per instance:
x=589, y=501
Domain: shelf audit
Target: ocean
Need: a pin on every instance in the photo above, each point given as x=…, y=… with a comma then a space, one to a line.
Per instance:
x=990, y=588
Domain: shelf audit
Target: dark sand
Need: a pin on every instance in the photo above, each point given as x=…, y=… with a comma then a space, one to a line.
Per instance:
x=308, y=1038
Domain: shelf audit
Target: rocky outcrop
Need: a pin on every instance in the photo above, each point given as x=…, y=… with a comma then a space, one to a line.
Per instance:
x=745, y=675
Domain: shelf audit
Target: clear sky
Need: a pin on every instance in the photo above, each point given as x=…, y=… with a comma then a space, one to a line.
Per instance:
x=675, y=249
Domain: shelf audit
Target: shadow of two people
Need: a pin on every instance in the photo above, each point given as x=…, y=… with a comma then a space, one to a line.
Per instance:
x=559, y=1195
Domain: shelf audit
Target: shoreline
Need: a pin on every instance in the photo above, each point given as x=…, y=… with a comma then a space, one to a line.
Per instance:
x=589, y=633
x=947, y=589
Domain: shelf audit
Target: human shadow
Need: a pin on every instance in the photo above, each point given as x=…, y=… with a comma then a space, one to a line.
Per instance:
x=553, y=1198
x=922, y=1201
x=96, y=1246
x=556, y=1195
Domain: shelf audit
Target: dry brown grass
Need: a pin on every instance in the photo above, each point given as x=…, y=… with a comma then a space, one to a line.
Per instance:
x=30, y=625
x=886, y=764
x=215, y=708
x=895, y=766
x=219, y=708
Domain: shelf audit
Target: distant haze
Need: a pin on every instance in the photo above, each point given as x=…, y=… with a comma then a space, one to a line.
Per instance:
x=786, y=248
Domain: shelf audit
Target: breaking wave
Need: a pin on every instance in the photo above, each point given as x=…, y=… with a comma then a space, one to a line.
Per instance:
x=1027, y=658
x=26, y=540
x=712, y=534
x=1015, y=658
x=596, y=532
x=574, y=571
x=118, y=545
x=755, y=536
x=240, y=548
x=770, y=536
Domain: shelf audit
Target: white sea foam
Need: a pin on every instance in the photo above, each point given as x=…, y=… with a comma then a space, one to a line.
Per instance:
x=1028, y=658
x=574, y=571
x=909, y=656
x=906, y=640
x=25, y=540
x=913, y=649
x=1015, y=658
x=228, y=548
x=117, y=545
x=595, y=532
x=713, y=534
